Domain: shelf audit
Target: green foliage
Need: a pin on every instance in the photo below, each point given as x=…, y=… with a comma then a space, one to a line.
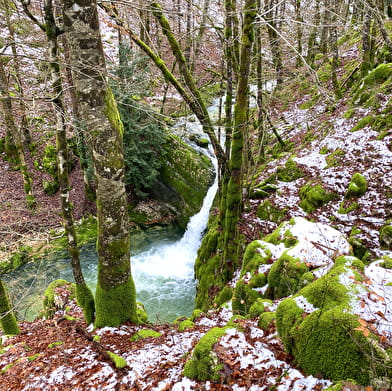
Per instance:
x=48, y=165
x=314, y=196
x=363, y=122
x=54, y=344
x=387, y=264
x=145, y=333
x=85, y=300
x=204, y=364
x=143, y=137
x=357, y=186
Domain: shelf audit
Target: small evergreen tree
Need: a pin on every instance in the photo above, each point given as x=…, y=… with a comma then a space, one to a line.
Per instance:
x=143, y=135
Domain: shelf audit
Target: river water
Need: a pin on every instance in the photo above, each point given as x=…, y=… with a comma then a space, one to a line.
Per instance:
x=162, y=263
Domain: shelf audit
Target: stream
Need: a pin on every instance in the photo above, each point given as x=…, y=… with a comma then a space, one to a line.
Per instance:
x=162, y=264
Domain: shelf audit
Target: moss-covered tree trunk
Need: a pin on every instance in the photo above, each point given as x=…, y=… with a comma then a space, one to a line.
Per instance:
x=236, y=163
x=115, y=299
x=14, y=134
x=8, y=322
x=312, y=40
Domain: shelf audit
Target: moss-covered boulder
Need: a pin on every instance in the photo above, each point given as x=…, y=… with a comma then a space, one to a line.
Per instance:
x=386, y=236
x=295, y=254
x=184, y=179
x=357, y=186
x=204, y=364
x=314, y=196
x=290, y=172
x=56, y=297
x=332, y=326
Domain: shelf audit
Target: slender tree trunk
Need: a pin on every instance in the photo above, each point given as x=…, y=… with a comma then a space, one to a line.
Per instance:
x=24, y=123
x=13, y=131
x=366, y=65
x=8, y=322
x=272, y=27
x=236, y=164
x=115, y=298
x=299, y=21
x=312, y=42
x=335, y=50
x=201, y=32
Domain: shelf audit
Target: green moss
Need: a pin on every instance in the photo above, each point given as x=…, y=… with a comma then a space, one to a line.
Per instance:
x=243, y=298
x=266, y=320
x=377, y=81
x=257, y=308
x=54, y=344
x=6, y=368
x=267, y=211
x=224, y=295
x=112, y=113
x=97, y=338
x=314, y=196
x=118, y=361
x=145, y=333
x=347, y=207
x=285, y=276
x=8, y=322
x=290, y=172
x=33, y=357
x=141, y=313
x=324, y=151
x=115, y=305
x=325, y=341
x=49, y=302
x=254, y=256
x=335, y=158
x=387, y=264
x=357, y=186
x=204, y=364
x=85, y=300
x=358, y=248
x=362, y=123
x=196, y=314
x=386, y=236
x=185, y=324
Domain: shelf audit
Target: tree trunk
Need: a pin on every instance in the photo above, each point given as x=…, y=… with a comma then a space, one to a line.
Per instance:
x=235, y=184
x=335, y=50
x=299, y=21
x=24, y=123
x=273, y=35
x=312, y=42
x=8, y=322
x=14, y=133
x=115, y=298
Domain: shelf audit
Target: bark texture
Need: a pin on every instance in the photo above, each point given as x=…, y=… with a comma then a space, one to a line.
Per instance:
x=115, y=298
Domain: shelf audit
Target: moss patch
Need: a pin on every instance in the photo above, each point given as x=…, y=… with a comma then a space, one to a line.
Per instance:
x=314, y=196
x=357, y=186
x=145, y=333
x=204, y=364
x=290, y=172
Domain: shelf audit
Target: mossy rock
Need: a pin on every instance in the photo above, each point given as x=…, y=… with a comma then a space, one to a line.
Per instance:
x=386, y=236
x=290, y=172
x=267, y=211
x=314, y=196
x=379, y=80
x=335, y=158
x=145, y=333
x=357, y=186
x=285, y=276
x=266, y=320
x=185, y=324
x=185, y=177
x=258, y=307
x=53, y=301
x=204, y=364
x=319, y=328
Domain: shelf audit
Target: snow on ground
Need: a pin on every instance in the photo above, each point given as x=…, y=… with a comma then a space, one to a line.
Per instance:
x=358, y=151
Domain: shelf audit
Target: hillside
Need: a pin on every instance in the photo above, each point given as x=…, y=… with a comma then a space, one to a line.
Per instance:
x=309, y=305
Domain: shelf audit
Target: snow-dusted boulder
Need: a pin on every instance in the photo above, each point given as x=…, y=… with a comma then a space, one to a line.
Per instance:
x=295, y=254
x=340, y=326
